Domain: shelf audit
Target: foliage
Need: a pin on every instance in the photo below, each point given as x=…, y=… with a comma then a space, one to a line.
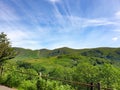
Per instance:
x=86, y=66
x=6, y=51
x=25, y=65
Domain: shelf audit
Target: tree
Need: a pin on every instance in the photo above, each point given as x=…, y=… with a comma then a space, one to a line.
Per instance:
x=6, y=51
x=110, y=76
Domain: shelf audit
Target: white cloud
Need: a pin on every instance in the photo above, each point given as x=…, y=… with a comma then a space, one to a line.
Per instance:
x=99, y=22
x=29, y=44
x=54, y=1
x=117, y=14
x=24, y=37
x=17, y=35
x=115, y=38
x=117, y=30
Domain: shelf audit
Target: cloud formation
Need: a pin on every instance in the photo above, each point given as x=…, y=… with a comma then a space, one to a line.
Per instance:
x=54, y=1
x=115, y=38
x=58, y=23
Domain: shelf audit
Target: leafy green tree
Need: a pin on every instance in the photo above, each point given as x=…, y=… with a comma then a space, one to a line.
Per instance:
x=86, y=72
x=110, y=76
x=26, y=65
x=6, y=51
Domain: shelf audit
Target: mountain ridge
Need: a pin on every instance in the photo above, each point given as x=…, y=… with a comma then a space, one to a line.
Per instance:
x=101, y=52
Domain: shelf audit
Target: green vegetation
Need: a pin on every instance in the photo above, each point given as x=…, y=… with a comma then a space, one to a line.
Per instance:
x=84, y=65
x=6, y=51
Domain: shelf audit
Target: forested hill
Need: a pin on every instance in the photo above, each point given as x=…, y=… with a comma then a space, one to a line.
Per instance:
x=79, y=65
x=103, y=52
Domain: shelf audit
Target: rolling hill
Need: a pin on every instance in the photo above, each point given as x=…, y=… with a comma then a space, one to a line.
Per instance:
x=106, y=53
x=82, y=65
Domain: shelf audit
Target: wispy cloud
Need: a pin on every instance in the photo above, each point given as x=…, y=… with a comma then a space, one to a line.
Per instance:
x=117, y=14
x=117, y=30
x=57, y=23
x=75, y=23
x=115, y=38
x=7, y=13
x=54, y=1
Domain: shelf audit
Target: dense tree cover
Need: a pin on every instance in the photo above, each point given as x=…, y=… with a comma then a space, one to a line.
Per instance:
x=86, y=72
x=28, y=80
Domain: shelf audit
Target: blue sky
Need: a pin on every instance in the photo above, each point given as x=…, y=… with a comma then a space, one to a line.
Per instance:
x=37, y=24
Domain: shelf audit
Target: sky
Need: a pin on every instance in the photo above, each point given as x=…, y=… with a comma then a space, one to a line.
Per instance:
x=37, y=24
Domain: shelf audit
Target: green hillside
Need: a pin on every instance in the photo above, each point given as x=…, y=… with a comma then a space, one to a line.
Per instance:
x=67, y=57
x=81, y=65
x=106, y=53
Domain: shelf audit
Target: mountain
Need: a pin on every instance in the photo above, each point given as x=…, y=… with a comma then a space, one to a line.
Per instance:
x=103, y=52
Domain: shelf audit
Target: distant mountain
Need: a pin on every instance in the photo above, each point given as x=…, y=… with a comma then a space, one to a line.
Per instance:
x=103, y=52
